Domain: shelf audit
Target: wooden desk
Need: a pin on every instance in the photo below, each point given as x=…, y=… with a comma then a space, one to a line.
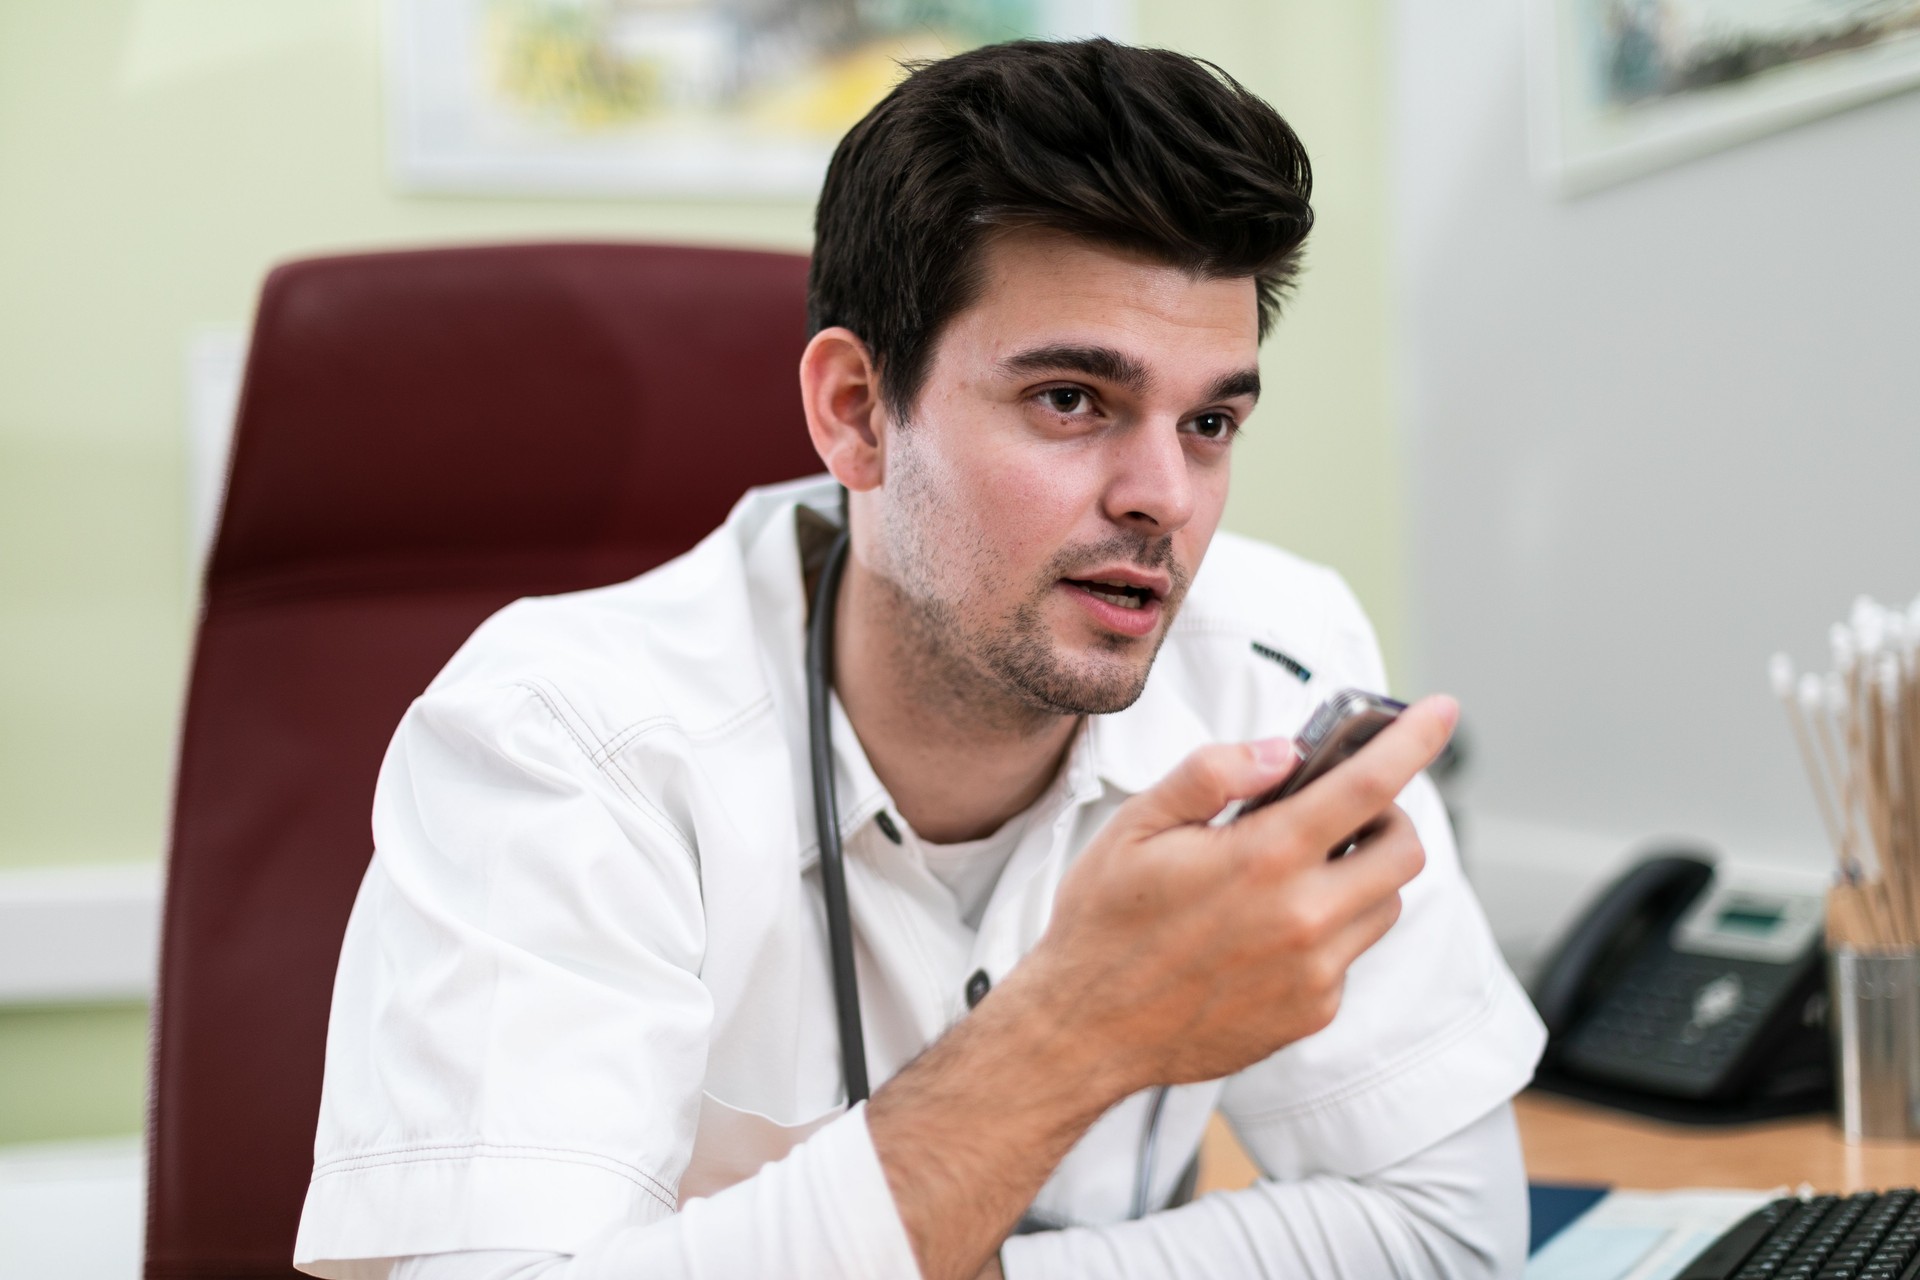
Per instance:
x=1568, y=1141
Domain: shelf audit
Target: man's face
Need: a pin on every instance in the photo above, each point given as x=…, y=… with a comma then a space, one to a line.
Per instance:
x=1042, y=513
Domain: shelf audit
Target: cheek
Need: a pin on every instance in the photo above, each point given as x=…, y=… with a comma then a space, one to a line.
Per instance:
x=1191, y=543
x=1000, y=504
x=1027, y=508
x=1210, y=493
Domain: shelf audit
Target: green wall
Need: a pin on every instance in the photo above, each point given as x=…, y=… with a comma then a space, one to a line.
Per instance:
x=156, y=156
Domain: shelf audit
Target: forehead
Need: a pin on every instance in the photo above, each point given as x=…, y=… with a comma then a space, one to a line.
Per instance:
x=1046, y=286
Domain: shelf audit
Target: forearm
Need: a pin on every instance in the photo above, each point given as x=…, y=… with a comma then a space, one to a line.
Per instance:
x=971, y=1130
x=931, y=1175
x=1456, y=1210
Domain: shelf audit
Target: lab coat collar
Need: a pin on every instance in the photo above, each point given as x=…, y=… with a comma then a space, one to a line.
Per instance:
x=1130, y=750
x=762, y=525
x=765, y=524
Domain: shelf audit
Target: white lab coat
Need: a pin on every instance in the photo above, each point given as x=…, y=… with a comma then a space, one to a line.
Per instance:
x=586, y=978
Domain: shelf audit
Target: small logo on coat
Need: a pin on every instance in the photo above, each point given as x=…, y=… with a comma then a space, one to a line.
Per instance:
x=1272, y=654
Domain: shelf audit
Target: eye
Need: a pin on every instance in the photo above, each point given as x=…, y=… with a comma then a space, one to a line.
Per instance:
x=1215, y=426
x=1067, y=400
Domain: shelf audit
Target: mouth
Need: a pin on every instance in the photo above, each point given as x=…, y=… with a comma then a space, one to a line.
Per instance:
x=1122, y=595
x=1128, y=605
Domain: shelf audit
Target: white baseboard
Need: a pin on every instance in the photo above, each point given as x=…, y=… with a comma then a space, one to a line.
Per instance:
x=73, y=1210
x=79, y=934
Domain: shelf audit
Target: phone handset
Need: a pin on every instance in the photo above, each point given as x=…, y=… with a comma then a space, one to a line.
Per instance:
x=1648, y=897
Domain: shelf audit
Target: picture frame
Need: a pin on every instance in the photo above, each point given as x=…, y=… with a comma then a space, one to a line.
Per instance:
x=1621, y=88
x=666, y=98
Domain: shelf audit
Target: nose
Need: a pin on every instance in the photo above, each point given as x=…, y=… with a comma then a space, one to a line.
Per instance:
x=1152, y=485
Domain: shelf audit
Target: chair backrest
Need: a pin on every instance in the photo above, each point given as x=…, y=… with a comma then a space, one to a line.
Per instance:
x=423, y=437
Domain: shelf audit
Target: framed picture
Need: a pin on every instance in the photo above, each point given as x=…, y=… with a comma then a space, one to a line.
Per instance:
x=1621, y=87
x=667, y=97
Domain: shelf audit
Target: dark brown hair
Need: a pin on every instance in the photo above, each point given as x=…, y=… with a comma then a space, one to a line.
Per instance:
x=1139, y=149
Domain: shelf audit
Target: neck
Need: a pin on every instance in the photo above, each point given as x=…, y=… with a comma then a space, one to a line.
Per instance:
x=958, y=760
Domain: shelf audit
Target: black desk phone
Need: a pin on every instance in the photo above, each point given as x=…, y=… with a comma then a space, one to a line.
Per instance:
x=1691, y=997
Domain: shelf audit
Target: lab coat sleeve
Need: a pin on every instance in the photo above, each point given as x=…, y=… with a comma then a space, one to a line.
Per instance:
x=1457, y=1210
x=519, y=1031
x=822, y=1213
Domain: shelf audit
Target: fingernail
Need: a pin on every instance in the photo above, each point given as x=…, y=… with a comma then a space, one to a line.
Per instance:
x=1272, y=753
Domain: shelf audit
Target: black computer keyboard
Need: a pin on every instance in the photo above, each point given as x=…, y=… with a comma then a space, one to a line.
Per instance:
x=1874, y=1235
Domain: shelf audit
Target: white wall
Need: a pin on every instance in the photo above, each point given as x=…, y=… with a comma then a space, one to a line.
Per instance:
x=1654, y=434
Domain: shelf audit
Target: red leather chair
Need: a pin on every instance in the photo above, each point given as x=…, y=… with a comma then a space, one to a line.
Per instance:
x=423, y=437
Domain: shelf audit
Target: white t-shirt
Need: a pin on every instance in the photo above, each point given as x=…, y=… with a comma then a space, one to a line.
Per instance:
x=585, y=986
x=971, y=868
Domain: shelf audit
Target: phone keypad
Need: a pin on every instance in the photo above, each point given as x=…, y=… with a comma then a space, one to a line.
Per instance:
x=1676, y=1022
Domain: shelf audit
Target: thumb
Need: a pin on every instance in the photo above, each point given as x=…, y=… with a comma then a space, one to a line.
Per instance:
x=1212, y=778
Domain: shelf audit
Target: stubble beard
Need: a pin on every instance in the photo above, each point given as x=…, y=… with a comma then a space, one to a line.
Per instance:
x=1008, y=674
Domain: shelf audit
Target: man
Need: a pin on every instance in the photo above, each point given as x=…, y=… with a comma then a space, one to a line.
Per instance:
x=584, y=1023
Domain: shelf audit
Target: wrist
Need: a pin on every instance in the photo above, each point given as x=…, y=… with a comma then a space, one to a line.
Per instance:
x=968, y=1132
x=1049, y=1011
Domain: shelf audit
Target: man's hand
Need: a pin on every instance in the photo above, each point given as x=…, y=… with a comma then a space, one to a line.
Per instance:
x=1193, y=951
x=1178, y=951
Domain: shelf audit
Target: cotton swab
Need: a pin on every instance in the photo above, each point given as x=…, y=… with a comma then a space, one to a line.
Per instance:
x=1857, y=729
x=1839, y=724
x=1895, y=786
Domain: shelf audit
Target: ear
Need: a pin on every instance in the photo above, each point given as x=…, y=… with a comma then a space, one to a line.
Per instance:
x=840, y=390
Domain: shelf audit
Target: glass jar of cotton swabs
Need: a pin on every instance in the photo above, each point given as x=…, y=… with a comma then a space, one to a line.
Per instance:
x=1857, y=727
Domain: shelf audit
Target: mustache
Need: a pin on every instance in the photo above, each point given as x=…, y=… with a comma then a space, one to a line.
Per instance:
x=1141, y=552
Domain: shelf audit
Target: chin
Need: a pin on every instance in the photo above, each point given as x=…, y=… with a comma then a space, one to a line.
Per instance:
x=1096, y=674
x=1084, y=684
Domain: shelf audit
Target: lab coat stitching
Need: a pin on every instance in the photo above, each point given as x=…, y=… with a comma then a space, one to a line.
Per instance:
x=619, y=777
x=489, y=1151
x=1422, y=1052
x=628, y=734
x=630, y=785
x=550, y=697
x=735, y=722
x=704, y=737
x=584, y=733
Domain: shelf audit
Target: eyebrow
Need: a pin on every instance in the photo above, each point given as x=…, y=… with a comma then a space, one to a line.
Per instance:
x=1111, y=365
x=1104, y=363
x=1234, y=385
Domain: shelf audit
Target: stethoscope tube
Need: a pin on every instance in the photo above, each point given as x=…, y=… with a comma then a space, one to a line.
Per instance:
x=826, y=817
x=833, y=870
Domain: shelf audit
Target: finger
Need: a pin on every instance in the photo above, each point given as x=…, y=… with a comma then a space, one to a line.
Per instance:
x=1364, y=930
x=1331, y=808
x=1210, y=779
x=1385, y=858
x=1337, y=953
x=1385, y=862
